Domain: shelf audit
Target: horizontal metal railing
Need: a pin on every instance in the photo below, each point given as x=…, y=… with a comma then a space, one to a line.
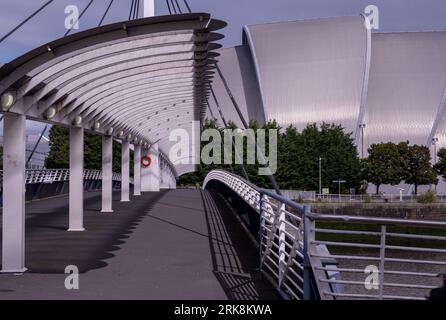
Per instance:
x=371, y=198
x=280, y=234
x=377, y=258
x=309, y=256
x=56, y=175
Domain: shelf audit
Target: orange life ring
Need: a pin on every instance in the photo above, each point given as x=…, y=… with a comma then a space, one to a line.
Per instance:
x=146, y=161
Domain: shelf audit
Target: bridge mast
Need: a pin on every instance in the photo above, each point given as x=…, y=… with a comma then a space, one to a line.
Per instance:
x=149, y=8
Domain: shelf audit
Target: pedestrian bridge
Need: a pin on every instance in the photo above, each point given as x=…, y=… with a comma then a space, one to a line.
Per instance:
x=229, y=240
x=172, y=244
x=135, y=82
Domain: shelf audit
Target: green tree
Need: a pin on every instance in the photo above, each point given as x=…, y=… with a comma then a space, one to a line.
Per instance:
x=384, y=165
x=419, y=169
x=298, y=158
x=339, y=158
x=440, y=166
x=59, y=154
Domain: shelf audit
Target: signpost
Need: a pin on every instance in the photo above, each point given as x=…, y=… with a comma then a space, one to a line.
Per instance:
x=339, y=181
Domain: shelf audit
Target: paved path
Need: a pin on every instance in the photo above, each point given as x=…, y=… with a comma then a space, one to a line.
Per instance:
x=178, y=244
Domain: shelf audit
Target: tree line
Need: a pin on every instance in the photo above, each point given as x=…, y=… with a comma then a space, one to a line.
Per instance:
x=298, y=161
x=328, y=148
x=59, y=153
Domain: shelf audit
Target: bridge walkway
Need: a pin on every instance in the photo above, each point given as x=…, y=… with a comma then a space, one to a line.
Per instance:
x=177, y=244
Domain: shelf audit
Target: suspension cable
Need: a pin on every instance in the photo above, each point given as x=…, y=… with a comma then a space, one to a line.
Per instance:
x=168, y=6
x=79, y=18
x=35, y=146
x=25, y=21
x=136, y=10
x=215, y=119
x=179, y=8
x=187, y=6
x=105, y=13
x=244, y=172
x=173, y=7
x=245, y=124
x=131, y=9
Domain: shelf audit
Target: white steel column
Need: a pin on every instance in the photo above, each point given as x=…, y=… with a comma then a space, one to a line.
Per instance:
x=164, y=180
x=107, y=173
x=13, y=220
x=154, y=169
x=150, y=176
x=145, y=176
x=76, y=190
x=149, y=8
x=125, y=171
x=137, y=170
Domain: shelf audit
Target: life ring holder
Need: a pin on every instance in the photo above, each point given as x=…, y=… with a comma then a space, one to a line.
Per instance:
x=146, y=161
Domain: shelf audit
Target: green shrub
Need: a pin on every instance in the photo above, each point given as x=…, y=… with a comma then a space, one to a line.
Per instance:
x=300, y=200
x=428, y=197
x=367, y=198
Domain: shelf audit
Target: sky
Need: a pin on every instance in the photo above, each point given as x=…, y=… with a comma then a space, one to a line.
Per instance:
x=395, y=15
x=48, y=25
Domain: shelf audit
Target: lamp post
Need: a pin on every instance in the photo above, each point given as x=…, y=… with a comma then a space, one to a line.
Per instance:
x=434, y=143
x=339, y=181
x=320, y=177
x=401, y=194
x=362, y=127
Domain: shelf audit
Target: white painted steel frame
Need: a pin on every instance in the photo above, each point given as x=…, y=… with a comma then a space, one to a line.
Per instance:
x=115, y=74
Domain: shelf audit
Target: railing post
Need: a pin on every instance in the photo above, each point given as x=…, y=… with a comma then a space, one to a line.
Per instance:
x=382, y=256
x=308, y=237
x=262, y=224
x=282, y=246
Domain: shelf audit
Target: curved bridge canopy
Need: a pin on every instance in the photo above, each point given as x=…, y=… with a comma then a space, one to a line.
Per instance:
x=133, y=80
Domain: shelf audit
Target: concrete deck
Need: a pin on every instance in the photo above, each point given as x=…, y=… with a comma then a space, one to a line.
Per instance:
x=178, y=244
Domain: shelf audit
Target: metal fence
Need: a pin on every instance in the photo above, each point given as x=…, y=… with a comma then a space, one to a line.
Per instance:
x=376, y=258
x=372, y=198
x=307, y=255
x=56, y=175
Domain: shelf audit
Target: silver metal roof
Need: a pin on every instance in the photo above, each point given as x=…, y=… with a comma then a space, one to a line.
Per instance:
x=335, y=70
x=311, y=70
x=406, y=93
x=238, y=69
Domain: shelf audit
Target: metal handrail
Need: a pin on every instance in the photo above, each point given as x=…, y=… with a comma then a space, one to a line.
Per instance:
x=56, y=175
x=297, y=245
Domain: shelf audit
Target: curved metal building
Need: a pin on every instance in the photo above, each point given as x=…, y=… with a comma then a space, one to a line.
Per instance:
x=387, y=86
x=237, y=66
x=406, y=87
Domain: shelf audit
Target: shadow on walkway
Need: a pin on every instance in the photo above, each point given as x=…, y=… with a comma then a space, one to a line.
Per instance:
x=235, y=258
x=50, y=248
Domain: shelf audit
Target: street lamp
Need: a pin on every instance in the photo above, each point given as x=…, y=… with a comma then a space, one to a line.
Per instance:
x=434, y=143
x=339, y=181
x=320, y=176
x=401, y=194
x=7, y=100
x=362, y=127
